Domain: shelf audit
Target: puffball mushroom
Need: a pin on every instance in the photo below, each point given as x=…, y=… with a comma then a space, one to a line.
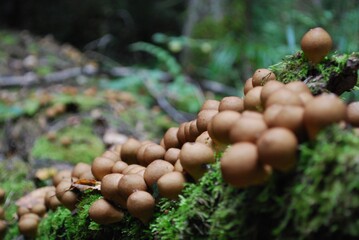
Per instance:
x=2, y=195
x=283, y=96
x=130, y=183
x=252, y=100
x=240, y=166
x=298, y=87
x=103, y=212
x=203, y=118
x=352, y=115
x=316, y=44
x=39, y=209
x=210, y=104
x=268, y=89
x=261, y=76
x=172, y=155
x=118, y=167
x=170, y=139
x=171, y=184
x=248, y=85
x=194, y=158
x=109, y=188
x=151, y=153
x=141, y=205
x=60, y=176
x=323, y=111
x=101, y=166
x=28, y=226
x=232, y=103
x=80, y=168
x=155, y=170
x=221, y=124
x=247, y=129
x=111, y=155
x=277, y=147
x=129, y=151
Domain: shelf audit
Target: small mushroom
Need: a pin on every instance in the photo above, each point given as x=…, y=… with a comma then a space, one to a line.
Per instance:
x=210, y=104
x=118, y=167
x=247, y=129
x=131, y=183
x=172, y=155
x=101, y=166
x=103, y=212
x=109, y=188
x=268, y=89
x=248, y=85
x=316, y=44
x=129, y=151
x=80, y=168
x=39, y=209
x=221, y=125
x=141, y=204
x=261, y=76
x=322, y=111
x=171, y=184
x=194, y=158
x=151, y=153
x=252, y=100
x=232, y=103
x=170, y=139
x=277, y=147
x=240, y=166
x=63, y=174
x=155, y=170
x=283, y=96
x=352, y=114
x=203, y=118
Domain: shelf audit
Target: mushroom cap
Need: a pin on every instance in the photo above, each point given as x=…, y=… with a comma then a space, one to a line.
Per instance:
x=101, y=166
x=60, y=176
x=316, y=44
x=172, y=155
x=194, y=157
x=277, y=147
x=129, y=150
x=322, y=111
x=252, y=100
x=248, y=85
x=240, y=166
x=131, y=183
x=170, y=139
x=141, y=204
x=283, y=96
x=247, y=129
x=352, y=115
x=118, y=167
x=109, y=188
x=203, y=118
x=155, y=170
x=220, y=125
x=171, y=184
x=261, y=76
x=232, y=103
x=103, y=212
x=210, y=104
x=152, y=152
x=80, y=168
x=268, y=89
x=28, y=226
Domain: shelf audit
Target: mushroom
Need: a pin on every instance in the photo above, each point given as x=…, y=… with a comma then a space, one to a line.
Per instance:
x=171, y=184
x=3, y=228
x=316, y=44
x=28, y=224
x=155, y=170
x=232, y=103
x=129, y=151
x=2, y=195
x=323, y=111
x=80, y=168
x=172, y=155
x=203, y=118
x=352, y=114
x=2, y=213
x=240, y=166
x=210, y=104
x=118, y=167
x=298, y=87
x=141, y=204
x=247, y=129
x=63, y=174
x=102, y=212
x=283, y=96
x=248, y=85
x=39, y=209
x=252, y=100
x=130, y=183
x=170, y=139
x=111, y=155
x=268, y=89
x=101, y=166
x=261, y=76
x=21, y=211
x=194, y=158
x=109, y=188
x=277, y=147
x=178, y=166
x=151, y=153
x=221, y=124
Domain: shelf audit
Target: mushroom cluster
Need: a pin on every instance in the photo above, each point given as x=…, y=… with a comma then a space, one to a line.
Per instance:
x=258, y=135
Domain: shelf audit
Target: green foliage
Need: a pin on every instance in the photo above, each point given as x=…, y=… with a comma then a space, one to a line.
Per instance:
x=83, y=102
x=85, y=145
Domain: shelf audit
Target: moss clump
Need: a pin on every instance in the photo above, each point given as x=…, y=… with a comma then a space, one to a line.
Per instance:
x=62, y=224
x=85, y=145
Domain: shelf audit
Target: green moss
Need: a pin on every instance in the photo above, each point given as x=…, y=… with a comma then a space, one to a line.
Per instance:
x=83, y=102
x=84, y=148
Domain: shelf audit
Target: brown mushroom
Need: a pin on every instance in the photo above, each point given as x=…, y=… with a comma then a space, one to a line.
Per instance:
x=141, y=205
x=232, y=103
x=101, y=166
x=221, y=125
x=171, y=184
x=103, y=212
x=261, y=76
x=316, y=44
x=352, y=114
x=155, y=170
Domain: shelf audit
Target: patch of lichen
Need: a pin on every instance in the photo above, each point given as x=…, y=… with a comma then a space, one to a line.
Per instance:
x=319, y=199
x=63, y=224
x=85, y=145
